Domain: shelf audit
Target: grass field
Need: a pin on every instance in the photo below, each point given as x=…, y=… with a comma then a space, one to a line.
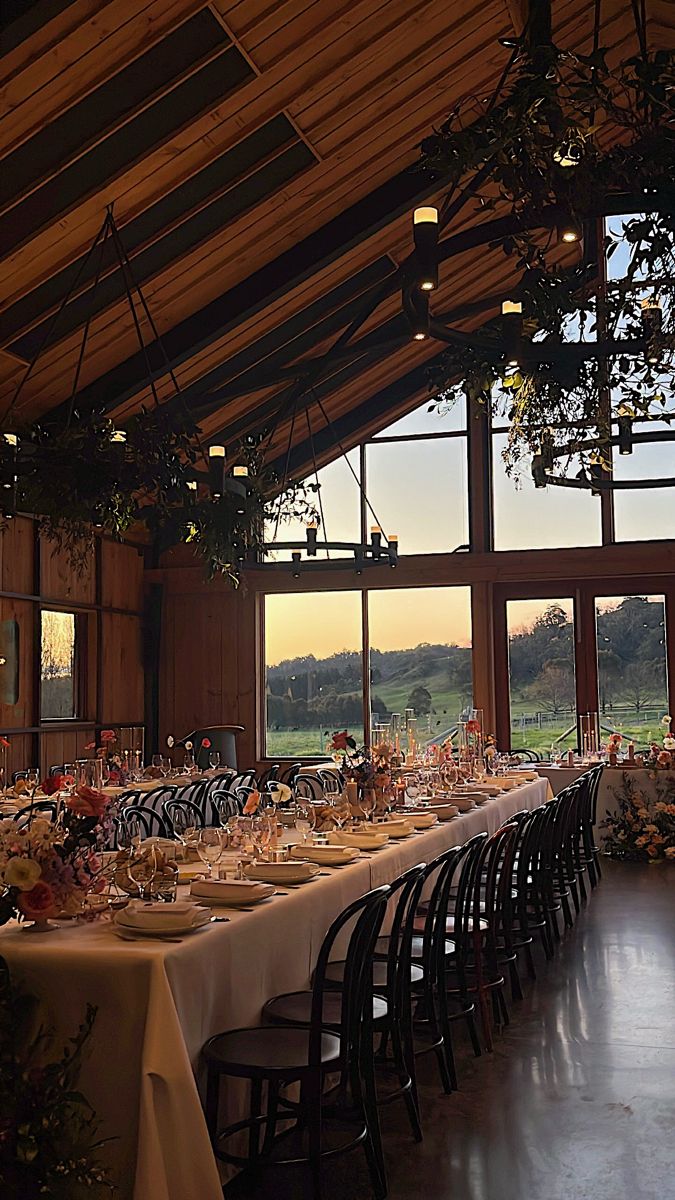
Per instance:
x=297, y=743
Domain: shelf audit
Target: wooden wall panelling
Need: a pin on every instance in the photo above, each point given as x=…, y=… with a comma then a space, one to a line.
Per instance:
x=61, y=582
x=59, y=746
x=21, y=752
x=121, y=686
x=17, y=556
x=121, y=576
x=483, y=654
x=21, y=713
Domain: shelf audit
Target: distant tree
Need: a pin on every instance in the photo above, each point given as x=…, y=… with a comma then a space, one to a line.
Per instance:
x=553, y=689
x=609, y=675
x=643, y=684
x=420, y=700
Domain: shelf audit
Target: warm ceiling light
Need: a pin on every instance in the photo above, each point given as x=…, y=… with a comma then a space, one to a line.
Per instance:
x=216, y=451
x=240, y=472
x=512, y=330
x=419, y=315
x=569, y=229
x=118, y=435
x=425, y=234
x=11, y=439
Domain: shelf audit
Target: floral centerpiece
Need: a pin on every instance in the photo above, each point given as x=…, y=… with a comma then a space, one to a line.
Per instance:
x=371, y=768
x=49, y=867
x=643, y=829
x=48, y=1130
x=109, y=750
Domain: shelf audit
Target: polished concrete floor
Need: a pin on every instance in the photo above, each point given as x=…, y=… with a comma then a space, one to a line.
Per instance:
x=577, y=1102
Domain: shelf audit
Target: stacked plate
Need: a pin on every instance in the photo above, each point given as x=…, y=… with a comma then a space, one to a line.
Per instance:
x=231, y=892
x=443, y=810
x=282, y=873
x=160, y=920
x=326, y=856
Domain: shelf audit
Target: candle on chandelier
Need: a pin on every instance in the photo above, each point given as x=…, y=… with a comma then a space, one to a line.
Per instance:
x=425, y=235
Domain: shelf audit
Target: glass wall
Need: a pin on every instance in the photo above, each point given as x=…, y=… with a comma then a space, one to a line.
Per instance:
x=418, y=490
x=314, y=672
x=420, y=656
x=542, y=688
x=632, y=665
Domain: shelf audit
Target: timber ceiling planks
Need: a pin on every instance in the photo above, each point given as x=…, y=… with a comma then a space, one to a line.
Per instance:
x=260, y=155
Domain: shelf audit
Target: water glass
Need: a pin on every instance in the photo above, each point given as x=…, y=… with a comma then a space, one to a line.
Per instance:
x=214, y=759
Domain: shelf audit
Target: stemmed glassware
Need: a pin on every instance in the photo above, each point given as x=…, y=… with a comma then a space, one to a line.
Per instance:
x=214, y=759
x=305, y=818
x=367, y=803
x=210, y=846
x=261, y=833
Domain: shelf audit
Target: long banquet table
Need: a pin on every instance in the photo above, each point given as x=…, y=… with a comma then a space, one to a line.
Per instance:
x=158, y=1002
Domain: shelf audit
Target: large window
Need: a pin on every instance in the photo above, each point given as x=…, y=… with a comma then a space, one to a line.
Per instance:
x=420, y=657
x=541, y=674
x=646, y=512
x=418, y=490
x=632, y=671
x=314, y=673
x=338, y=501
x=529, y=518
x=58, y=665
x=420, y=660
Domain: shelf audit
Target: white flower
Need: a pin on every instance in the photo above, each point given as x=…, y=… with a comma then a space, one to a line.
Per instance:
x=170, y=741
x=666, y=721
x=669, y=742
x=188, y=745
x=22, y=873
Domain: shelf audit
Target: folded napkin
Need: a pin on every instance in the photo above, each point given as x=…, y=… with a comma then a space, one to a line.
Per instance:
x=223, y=889
x=160, y=915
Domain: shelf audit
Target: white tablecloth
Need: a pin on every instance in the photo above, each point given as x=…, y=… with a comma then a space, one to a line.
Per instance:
x=562, y=777
x=159, y=1002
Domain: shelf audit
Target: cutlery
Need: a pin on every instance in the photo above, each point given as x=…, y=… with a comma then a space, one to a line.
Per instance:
x=124, y=937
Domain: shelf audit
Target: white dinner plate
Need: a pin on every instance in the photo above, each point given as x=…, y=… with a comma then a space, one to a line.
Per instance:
x=362, y=841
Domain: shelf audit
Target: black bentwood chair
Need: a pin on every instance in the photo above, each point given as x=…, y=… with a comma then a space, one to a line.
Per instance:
x=182, y=815
x=393, y=978
x=40, y=808
x=336, y=1039
x=142, y=822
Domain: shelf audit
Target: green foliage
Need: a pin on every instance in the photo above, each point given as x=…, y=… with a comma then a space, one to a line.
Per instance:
x=551, y=144
x=48, y=1130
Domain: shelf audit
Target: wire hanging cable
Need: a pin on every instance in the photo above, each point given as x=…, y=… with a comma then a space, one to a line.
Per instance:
x=316, y=476
x=85, y=332
x=52, y=324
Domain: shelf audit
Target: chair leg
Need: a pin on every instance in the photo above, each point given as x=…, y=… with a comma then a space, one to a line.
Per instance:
x=313, y=1093
x=255, y=1112
x=405, y=1074
x=363, y=1087
x=529, y=959
x=484, y=1010
x=516, y=988
x=211, y=1106
x=272, y=1110
x=446, y=1057
x=596, y=860
x=582, y=886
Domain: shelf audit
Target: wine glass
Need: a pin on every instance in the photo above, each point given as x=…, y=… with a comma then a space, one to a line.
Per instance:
x=305, y=819
x=367, y=803
x=32, y=778
x=261, y=833
x=142, y=869
x=210, y=847
x=214, y=759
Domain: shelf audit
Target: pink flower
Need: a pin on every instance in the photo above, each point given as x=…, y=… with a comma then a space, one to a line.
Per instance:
x=90, y=746
x=37, y=903
x=52, y=784
x=108, y=735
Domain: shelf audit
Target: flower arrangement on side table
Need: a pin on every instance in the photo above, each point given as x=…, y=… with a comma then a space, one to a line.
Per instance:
x=48, y=1130
x=49, y=867
x=643, y=829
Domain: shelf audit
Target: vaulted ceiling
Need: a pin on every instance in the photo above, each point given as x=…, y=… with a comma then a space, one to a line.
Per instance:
x=260, y=156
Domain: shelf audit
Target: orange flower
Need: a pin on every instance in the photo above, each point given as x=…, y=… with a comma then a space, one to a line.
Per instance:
x=251, y=804
x=37, y=903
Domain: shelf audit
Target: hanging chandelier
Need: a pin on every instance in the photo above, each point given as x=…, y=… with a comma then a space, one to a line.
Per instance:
x=580, y=364
x=80, y=472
